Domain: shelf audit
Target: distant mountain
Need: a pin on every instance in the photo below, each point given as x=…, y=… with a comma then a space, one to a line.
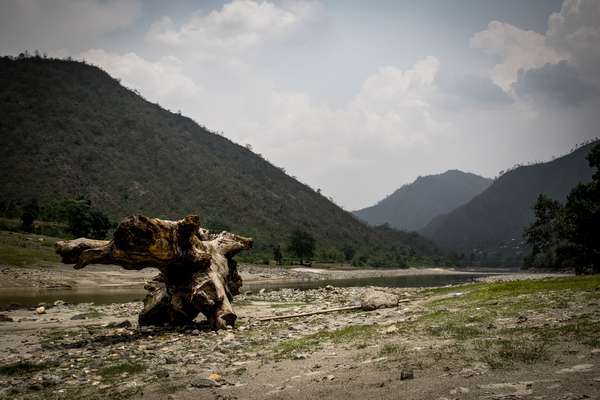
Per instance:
x=414, y=205
x=69, y=129
x=490, y=226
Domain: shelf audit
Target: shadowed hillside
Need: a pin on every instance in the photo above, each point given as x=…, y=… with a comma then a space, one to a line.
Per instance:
x=490, y=227
x=413, y=206
x=69, y=129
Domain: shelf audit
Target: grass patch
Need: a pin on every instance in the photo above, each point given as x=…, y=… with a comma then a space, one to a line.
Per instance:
x=347, y=335
x=24, y=367
x=501, y=353
x=117, y=369
x=584, y=329
x=456, y=325
x=455, y=330
x=391, y=350
x=26, y=249
x=498, y=290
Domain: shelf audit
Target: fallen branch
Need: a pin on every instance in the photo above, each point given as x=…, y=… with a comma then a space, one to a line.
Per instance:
x=306, y=314
x=330, y=310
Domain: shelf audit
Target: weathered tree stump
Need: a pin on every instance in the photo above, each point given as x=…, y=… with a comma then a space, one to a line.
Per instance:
x=197, y=271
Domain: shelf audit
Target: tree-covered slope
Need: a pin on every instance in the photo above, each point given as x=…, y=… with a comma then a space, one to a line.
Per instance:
x=496, y=218
x=414, y=205
x=69, y=129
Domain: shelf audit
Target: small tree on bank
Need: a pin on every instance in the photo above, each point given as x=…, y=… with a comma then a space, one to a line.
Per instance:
x=567, y=236
x=277, y=256
x=302, y=245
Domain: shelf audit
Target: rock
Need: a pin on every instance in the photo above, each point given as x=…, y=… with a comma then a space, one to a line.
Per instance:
x=407, y=374
x=373, y=299
x=391, y=329
x=215, y=376
x=299, y=356
x=50, y=380
x=476, y=369
x=58, y=303
x=162, y=373
x=330, y=377
x=204, y=383
x=576, y=368
x=262, y=291
x=521, y=319
x=5, y=318
x=195, y=332
x=40, y=310
x=123, y=324
x=329, y=288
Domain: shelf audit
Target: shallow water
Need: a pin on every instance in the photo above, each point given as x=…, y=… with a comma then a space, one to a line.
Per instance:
x=384, y=281
x=103, y=295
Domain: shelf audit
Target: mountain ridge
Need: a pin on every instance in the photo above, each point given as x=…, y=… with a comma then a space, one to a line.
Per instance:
x=493, y=221
x=69, y=129
x=413, y=205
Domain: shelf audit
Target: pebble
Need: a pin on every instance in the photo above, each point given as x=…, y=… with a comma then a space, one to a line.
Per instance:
x=204, y=383
x=407, y=374
x=40, y=310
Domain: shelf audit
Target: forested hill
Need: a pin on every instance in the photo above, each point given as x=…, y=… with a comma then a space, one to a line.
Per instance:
x=69, y=129
x=414, y=205
x=492, y=223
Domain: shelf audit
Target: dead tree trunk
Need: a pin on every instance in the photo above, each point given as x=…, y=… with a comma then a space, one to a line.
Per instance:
x=197, y=271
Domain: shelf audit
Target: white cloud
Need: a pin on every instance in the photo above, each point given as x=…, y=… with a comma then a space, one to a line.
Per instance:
x=235, y=28
x=573, y=35
x=517, y=49
x=576, y=30
x=49, y=25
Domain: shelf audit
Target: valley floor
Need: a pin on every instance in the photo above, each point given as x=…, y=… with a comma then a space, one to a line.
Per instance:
x=499, y=340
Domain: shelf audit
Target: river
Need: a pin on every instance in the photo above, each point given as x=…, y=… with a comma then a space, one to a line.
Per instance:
x=103, y=295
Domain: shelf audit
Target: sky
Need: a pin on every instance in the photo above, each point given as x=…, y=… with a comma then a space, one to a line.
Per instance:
x=352, y=97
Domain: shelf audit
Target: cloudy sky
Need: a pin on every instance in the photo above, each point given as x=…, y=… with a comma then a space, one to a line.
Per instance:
x=353, y=97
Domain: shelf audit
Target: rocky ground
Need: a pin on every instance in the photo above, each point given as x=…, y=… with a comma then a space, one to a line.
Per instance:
x=533, y=339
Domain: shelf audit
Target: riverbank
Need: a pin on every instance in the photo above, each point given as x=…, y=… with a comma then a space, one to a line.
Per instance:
x=520, y=339
x=61, y=276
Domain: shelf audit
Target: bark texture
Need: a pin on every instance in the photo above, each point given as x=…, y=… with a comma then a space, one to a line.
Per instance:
x=197, y=271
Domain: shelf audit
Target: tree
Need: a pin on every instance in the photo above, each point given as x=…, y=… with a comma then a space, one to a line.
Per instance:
x=277, y=256
x=349, y=252
x=582, y=221
x=568, y=235
x=543, y=235
x=31, y=211
x=85, y=221
x=301, y=244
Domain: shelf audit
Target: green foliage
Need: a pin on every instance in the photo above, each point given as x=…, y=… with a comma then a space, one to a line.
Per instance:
x=488, y=230
x=277, y=255
x=71, y=131
x=130, y=367
x=349, y=252
x=30, y=212
x=563, y=236
x=301, y=244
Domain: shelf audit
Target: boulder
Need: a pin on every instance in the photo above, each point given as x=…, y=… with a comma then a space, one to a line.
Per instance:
x=373, y=299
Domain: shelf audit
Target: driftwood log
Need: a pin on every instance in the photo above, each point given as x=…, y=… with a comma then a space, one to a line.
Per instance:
x=197, y=271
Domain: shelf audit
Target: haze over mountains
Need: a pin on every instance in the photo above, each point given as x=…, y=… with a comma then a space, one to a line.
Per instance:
x=414, y=205
x=69, y=129
x=489, y=228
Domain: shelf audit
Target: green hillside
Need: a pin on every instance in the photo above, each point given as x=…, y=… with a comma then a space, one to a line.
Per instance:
x=412, y=206
x=69, y=129
x=490, y=227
